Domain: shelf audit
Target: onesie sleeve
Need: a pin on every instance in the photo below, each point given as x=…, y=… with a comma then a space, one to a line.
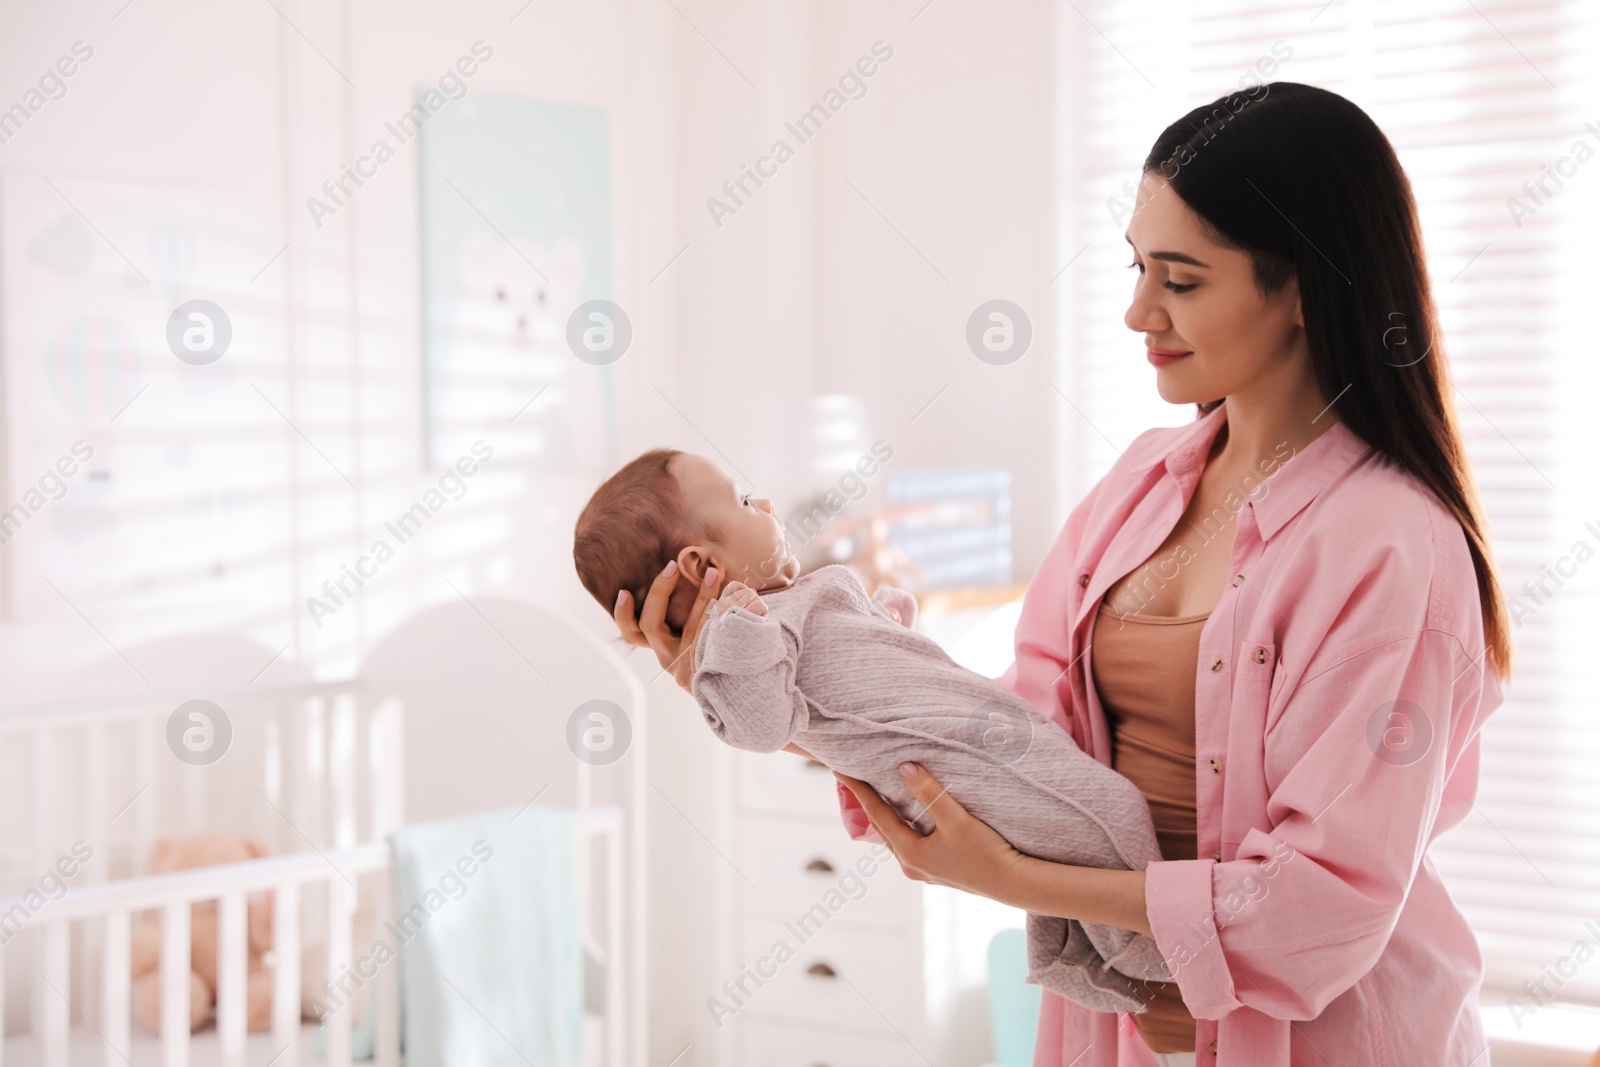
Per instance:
x=744, y=680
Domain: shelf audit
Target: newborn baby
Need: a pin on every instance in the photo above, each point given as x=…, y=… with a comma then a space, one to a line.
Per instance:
x=815, y=661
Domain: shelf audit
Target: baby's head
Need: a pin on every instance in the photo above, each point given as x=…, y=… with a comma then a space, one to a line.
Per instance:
x=670, y=505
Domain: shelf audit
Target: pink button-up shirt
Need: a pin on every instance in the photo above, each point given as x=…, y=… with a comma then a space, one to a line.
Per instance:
x=1338, y=698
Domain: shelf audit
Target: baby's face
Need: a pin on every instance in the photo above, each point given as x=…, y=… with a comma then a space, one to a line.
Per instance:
x=752, y=549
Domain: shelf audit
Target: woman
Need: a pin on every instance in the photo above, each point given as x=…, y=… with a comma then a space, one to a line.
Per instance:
x=1281, y=621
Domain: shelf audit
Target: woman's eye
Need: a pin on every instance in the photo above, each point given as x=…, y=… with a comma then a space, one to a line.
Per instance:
x=1175, y=287
x=745, y=500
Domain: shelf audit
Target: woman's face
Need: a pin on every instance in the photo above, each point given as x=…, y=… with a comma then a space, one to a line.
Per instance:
x=1198, y=300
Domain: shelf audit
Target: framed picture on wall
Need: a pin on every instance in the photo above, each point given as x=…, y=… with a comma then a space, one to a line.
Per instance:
x=516, y=226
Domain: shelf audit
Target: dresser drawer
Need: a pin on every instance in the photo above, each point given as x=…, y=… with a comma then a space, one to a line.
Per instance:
x=785, y=783
x=795, y=865
x=837, y=975
x=771, y=1045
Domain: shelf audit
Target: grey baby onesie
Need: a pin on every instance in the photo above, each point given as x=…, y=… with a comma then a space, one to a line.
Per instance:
x=828, y=668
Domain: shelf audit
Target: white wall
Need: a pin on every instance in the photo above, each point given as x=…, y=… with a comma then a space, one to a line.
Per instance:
x=806, y=290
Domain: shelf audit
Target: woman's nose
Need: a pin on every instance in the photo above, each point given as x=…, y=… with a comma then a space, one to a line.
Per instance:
x=1145, y=315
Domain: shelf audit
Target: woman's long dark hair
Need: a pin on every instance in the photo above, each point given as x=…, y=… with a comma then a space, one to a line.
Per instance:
x=1305, y=182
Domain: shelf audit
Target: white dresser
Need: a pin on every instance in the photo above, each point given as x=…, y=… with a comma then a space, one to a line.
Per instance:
x=839, y=956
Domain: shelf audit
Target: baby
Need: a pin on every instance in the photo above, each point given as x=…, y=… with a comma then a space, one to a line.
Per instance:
x=815, y=661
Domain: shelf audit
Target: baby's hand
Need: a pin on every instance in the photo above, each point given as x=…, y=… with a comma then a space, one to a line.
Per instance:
x=739, y=595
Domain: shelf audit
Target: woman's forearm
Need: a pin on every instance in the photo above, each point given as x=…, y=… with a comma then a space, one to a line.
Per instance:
x=1088, y=894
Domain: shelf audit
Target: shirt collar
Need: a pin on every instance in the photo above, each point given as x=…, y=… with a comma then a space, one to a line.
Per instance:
x=1292, y=485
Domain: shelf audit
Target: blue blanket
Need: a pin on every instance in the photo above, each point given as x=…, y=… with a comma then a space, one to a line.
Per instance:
x=486, y=925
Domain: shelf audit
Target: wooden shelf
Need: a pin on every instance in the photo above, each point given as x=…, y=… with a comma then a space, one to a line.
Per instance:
x=939, y=601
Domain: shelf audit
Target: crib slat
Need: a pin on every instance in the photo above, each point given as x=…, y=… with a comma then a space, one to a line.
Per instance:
x=94, y=791
x=286, y=975
x=114, y=992
x=175, y=970
x=44, y=804
x=341, y=909
x=57, y=976
x=386, y=1023
x=342, y=769
x=147, y=806
x=388, y=761
x=615, y=964
x=309, y=793
x=232, y=953
x=272, y=772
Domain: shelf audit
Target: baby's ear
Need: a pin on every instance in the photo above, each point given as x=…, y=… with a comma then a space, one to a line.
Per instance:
x=692, y=563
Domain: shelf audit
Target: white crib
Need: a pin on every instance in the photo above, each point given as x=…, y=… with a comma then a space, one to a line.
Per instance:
x=315, y=770
x=107, y=910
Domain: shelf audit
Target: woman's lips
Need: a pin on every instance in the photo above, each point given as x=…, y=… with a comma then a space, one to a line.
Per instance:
x=1162, y=356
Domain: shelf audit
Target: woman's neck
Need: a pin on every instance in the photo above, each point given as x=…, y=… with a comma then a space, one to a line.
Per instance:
x=1257, y=428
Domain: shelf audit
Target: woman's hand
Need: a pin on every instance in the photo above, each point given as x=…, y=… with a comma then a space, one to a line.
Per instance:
x=963, y=852
x=675, y=654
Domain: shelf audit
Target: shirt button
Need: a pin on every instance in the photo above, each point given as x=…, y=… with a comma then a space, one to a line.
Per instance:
x=1216, y=664
x=1217, y=855
x=1083, y=580
x=1238, y=579
x=1261, y=655
x=1216, y=768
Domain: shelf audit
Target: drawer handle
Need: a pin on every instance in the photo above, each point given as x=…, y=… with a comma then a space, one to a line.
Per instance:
x=815, y=763
x=820, y=866
x=821, y=970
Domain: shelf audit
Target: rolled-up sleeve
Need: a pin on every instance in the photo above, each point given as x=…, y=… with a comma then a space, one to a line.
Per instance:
x=1356, y=764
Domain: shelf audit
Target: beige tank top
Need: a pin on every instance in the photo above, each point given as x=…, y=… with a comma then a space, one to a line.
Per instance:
x=1144, y=669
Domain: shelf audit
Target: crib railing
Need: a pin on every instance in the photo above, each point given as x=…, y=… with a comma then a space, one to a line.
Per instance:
x=307, y=766
x=109, y=909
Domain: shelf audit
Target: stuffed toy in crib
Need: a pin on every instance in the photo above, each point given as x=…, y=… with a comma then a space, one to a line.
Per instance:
x=185, y=853
x=207, y=850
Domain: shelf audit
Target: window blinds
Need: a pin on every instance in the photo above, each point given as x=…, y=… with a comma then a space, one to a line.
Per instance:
x=1494, y=109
